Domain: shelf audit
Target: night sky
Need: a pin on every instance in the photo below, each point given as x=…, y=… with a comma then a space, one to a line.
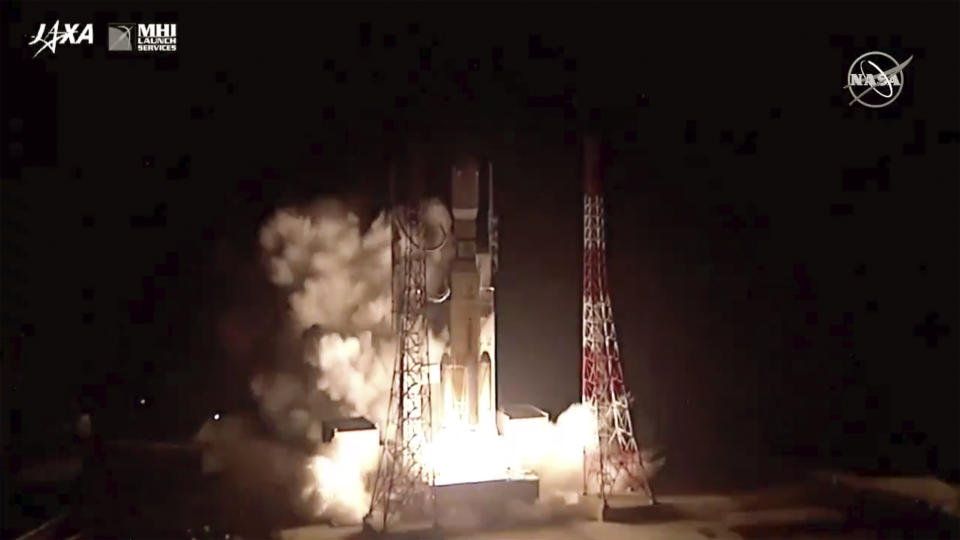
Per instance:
x=783, y=266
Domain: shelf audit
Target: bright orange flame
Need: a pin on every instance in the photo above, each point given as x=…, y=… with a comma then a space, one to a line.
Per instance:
x=460, y=453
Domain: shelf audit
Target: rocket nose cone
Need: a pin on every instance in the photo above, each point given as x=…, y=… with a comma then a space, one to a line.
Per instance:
x=467, y=162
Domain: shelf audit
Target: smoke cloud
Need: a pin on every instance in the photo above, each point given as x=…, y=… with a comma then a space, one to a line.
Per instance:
x=337, y=275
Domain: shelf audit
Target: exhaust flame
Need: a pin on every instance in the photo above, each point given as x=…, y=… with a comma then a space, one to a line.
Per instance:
x=553, y=451
x=459, y=454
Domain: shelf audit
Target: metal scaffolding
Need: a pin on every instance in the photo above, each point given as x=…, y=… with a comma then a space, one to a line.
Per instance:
x=616, y=462
x=404, y=482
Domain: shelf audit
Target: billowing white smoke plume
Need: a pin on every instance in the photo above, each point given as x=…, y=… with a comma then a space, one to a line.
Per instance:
x=338, y=276
x=556, y=453
x=337, y=484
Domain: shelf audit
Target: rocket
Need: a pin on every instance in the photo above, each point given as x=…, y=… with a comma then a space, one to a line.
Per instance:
x=468, y=373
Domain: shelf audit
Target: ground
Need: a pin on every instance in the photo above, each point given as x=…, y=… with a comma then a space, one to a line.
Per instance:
x=828, y=506
x=158, y=499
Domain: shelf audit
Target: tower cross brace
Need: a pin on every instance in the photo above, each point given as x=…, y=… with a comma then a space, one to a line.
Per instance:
x=615, y=463
x=404, y=483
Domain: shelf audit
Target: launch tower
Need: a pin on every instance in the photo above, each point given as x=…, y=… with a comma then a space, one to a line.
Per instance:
x=404, y=481
x=615, y=463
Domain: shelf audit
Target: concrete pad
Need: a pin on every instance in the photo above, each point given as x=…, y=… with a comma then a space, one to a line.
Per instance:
x=934, y=492
x=319, y=532
x=642, y=513
x=773, y=513
x=784, y=516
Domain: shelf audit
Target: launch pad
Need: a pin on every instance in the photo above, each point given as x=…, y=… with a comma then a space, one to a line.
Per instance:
x=487, y=500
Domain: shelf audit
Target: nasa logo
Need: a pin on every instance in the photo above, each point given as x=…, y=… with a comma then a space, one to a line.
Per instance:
x=50, y=39
x=872, y=85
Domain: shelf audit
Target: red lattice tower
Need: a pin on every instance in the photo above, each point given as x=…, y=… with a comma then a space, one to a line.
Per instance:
x=404, y=482
x=616, y=463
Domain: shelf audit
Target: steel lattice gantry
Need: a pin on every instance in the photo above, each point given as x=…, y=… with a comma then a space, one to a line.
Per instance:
x=404, y=481
x=616, y=463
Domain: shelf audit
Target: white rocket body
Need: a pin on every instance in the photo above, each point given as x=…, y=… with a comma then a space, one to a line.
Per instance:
x=469, y=371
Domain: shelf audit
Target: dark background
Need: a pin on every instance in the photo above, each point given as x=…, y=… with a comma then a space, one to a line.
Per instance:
x=783, y=266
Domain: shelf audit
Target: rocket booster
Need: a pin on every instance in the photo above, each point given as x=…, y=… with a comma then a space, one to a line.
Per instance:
x=461, y=371
x=468, y=371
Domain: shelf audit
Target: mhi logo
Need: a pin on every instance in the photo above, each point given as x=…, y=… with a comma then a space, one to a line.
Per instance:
x=157, y=37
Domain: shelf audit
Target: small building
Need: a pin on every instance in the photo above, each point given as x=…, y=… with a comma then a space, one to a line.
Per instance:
x=353, y=426
x=524, y=429
x=520, y=416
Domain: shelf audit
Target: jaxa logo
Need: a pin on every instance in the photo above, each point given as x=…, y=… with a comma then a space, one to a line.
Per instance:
x=71, y=34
